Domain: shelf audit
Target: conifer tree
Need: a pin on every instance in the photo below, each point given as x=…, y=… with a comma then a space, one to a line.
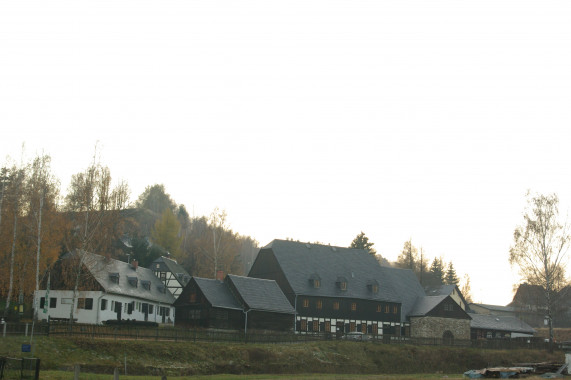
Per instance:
x=451, y=277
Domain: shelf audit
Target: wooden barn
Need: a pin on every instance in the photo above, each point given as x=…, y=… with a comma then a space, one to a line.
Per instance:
x=236, y=303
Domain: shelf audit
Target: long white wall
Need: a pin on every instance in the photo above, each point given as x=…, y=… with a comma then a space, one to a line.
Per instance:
x=100, y=300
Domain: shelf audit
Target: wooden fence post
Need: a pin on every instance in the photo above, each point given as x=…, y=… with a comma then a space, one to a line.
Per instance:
x=76, y=372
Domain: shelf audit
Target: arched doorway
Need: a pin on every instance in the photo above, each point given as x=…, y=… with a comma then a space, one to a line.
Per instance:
x=448, y=338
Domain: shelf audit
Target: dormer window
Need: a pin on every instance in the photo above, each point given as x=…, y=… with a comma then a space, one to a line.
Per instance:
x=162, y=289
x=114, y=277
x=133, y=281
x=315, y=281
x=373, y=286
x=341, y=283
x=146, y=284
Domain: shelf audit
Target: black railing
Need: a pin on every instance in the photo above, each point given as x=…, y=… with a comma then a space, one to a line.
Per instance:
x=19, y=368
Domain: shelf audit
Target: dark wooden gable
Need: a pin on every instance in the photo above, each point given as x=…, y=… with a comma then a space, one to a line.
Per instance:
x=448, y=308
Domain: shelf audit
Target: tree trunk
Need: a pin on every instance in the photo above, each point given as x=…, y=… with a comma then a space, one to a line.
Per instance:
x=38, y=251
x=12, y=254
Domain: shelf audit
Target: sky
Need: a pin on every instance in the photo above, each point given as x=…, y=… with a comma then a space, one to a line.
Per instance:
x=311, y=120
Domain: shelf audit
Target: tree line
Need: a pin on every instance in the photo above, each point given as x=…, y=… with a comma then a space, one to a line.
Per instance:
x=39, y=225
x=438, y=273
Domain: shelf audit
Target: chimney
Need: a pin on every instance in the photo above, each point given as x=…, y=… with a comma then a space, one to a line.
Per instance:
x=135, y=264
x=220, y=275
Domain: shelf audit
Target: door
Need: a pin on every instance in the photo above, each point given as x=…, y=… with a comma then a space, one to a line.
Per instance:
x=118, y=309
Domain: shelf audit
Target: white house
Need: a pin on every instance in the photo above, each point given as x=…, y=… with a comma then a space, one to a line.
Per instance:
x=115, y=290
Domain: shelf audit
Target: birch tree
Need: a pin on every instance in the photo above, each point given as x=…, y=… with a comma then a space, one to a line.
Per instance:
x=95, y=209
x=16, y=180
x=540, y=249
x=41, y=198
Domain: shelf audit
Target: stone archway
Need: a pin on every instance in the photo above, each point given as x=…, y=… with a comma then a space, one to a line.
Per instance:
x=448, y=338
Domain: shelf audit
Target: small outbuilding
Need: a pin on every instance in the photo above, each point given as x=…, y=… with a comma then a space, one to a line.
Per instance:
x=236, y=303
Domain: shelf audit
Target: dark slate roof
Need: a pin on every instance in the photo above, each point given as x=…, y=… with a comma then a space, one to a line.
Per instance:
x=440, y=290
x=301, y=262
x=510, y=309
x=217, y=293
x=424, y=305
x=500, y=323
x=406, y=286
x=260, y=294
x=173, y=267
x=103, y=269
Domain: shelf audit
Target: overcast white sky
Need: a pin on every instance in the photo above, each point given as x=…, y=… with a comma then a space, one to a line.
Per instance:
x=313, y=120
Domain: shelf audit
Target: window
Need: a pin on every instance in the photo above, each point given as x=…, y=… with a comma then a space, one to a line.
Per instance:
x=130, y=307
x=85, y=303
x=67, y=301
x=150, y=309
x=379, y=308
x=114, y=277
x=448, y=306
x=336, y=305
x=192, y=297
x=306, y=303
x=316, y=283
x=316, y=325
x=342, y=283
x=163, y=276
x=387, y=309
x=353, y=306
x=42, y=302
x=319, y=305
x=303, y=325
x=53, y=303
x=327, y=326
x=194, y=314
x=146, y=284
x=364, y=328
x=395, y=309
x=375, y=329
x=133, y=281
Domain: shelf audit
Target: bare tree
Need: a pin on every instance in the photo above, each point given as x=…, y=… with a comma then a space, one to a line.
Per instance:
x=95, y=208
x=540, y=249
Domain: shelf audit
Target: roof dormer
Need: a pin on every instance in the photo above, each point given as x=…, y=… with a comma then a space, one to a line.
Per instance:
x=341, y=283
x=373, y=286
x=315, y=281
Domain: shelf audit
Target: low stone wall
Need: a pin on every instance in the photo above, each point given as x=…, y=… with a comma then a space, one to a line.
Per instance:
x=434, y=327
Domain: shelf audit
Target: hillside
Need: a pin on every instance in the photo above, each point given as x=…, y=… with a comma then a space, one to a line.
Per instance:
x=185, y=358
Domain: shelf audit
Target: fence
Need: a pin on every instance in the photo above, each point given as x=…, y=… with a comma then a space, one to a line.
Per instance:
x=123, y=332
x=19, y=368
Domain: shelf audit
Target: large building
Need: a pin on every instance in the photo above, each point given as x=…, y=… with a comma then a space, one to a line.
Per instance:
x=338, y=290
x=108, y=290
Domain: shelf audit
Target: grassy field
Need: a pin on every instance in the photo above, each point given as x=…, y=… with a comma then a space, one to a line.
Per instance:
x=316, y=360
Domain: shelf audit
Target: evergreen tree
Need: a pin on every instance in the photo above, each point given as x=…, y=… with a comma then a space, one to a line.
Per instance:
x=362, y=242
x=451, y=277
x=437, y=270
